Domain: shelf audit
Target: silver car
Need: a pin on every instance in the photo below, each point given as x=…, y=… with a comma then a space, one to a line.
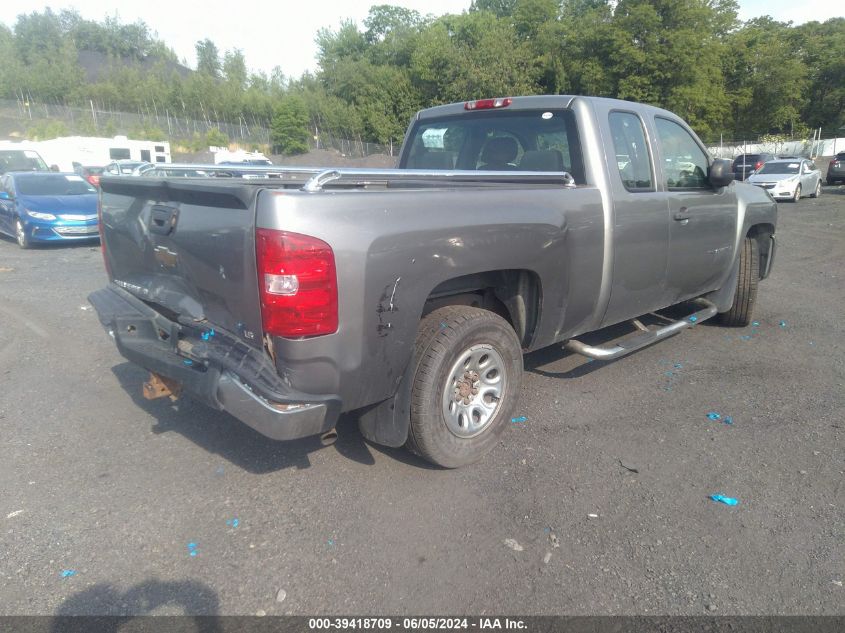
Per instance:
x=789, y=179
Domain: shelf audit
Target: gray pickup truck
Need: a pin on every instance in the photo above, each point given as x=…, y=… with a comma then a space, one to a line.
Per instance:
x=408, y=296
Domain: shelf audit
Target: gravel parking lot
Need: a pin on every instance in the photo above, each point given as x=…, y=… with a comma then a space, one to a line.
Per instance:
x=596, y=504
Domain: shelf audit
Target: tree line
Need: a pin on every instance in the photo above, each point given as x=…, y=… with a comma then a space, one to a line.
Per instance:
x=694, y=57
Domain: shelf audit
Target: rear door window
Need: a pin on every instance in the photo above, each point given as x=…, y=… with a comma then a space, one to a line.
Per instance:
x=632, y=156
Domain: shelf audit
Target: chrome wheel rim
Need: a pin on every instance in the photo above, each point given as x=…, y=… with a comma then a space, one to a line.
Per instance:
x=797, y=193
x=21, y=234
x=473, y=390
x=818, y=188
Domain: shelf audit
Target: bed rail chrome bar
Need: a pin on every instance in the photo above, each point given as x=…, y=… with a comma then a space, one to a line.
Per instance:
x=375, y=176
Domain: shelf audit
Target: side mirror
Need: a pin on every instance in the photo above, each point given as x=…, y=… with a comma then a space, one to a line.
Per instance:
x=4, y=195
x=721, y=174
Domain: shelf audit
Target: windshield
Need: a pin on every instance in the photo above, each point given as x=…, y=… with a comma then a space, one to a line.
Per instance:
x=779, y=168
x=53, y=185
x=497, y=140
x=21, y=160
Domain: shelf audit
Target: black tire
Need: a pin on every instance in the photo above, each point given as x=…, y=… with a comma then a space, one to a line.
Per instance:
x=443, y=338
x=797, y=195
x=818, y=190
x=21, y=236
x=745, y=295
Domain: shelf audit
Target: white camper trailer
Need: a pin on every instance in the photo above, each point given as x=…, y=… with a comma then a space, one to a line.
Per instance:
x=69, y=151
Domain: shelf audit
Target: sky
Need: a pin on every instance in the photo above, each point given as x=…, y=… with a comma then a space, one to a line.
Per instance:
x=282, y=34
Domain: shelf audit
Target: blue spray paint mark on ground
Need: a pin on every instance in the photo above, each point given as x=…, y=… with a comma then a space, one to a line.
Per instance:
x=192, y=549
x=519, y=420
x=728, y=501
x=67, y=573
x=233, y=523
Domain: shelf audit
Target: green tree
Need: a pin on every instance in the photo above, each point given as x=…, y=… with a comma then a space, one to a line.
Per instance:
x=499, y=8
x=530, y=15
x=821, y=47
x=471, y=56
x=208, y=58
x=290, y=129
x=767, y=81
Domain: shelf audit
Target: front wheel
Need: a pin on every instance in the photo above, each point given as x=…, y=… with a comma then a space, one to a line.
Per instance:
x=468, y=370
x=21, y=236
x=745, y=295
x=797, y=195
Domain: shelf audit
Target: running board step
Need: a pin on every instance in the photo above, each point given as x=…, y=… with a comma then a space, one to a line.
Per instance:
x=645, y=337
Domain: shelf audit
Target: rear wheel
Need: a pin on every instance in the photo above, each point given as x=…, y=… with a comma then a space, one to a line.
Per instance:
x=818, y=190
x=745, y=295
x=466, y=382
x=21, y=236
x=797, y=195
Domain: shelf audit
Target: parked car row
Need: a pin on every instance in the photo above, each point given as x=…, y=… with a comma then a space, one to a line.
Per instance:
x=45, y=206
x=746, y=164
x=789, y=179
x=836, y=169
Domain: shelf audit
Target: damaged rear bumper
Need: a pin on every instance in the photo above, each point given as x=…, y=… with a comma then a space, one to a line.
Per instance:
x=219, y=370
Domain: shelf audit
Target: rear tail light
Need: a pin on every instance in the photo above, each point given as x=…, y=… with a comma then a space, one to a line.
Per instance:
x=297, y=282
x=758, y=165
x=94, y=180
x=488, y=104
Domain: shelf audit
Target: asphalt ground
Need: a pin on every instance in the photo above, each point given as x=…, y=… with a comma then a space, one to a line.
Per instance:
x=596, y=504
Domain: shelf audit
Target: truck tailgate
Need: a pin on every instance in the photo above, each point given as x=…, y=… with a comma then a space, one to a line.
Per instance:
x=186, y=249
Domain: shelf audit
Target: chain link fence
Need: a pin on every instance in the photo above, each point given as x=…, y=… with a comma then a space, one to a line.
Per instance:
x=31, y=120
x=805, y=148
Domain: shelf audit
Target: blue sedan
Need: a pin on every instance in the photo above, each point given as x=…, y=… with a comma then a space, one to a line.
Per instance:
x=47, y=207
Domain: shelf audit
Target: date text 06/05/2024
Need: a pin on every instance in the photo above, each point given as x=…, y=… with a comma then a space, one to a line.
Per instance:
x=414, y=624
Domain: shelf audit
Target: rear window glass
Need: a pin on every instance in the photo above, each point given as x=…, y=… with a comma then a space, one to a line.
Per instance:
x=746, y=158
x=779, y=168
x=53, y=185
x=497, y=140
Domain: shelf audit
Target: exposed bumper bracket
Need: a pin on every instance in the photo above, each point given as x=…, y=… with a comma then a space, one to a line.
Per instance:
x=161, y=386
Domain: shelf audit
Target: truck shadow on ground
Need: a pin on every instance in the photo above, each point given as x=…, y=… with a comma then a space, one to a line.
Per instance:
x=219, y=433
x=118, y=609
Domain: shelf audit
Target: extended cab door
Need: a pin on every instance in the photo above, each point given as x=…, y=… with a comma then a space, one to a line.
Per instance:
x=640, y=220
x=703, y=219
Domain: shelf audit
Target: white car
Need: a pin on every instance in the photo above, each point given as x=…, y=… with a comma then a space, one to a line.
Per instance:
x=789, y=179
